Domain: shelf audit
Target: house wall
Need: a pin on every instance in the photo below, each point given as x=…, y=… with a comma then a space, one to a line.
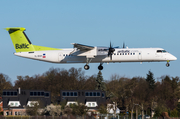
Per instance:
x=15, y=112
x=81, y=97
x=15, y=101
x=1, y=105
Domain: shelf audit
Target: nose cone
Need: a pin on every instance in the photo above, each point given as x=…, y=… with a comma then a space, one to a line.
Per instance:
x=173, y=58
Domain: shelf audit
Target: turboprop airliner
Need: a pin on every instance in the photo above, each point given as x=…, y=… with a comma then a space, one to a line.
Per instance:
x=84, y=53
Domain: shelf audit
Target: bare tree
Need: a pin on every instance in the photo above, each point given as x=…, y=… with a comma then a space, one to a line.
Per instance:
x=4, y=83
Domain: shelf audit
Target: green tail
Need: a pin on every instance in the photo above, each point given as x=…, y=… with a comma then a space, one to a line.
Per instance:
x=22, y=43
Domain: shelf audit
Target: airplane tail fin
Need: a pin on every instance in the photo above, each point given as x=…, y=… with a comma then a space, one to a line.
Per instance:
x=22, y=43
x=20, y=40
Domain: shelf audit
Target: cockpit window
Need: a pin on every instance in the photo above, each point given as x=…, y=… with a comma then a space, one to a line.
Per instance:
x=161, y=51
x=158, y=51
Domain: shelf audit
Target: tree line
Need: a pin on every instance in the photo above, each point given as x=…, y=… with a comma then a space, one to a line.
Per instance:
x=131, y=94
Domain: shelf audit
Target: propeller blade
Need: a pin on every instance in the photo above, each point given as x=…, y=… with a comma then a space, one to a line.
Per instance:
x=111, y=57
x=124, y=45
x=110, y=45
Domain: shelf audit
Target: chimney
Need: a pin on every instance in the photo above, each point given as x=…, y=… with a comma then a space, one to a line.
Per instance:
x=19, y=90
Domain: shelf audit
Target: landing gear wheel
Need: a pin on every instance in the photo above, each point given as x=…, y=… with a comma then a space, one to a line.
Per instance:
x=86, y=67
x=167, y=64
x=100, y=67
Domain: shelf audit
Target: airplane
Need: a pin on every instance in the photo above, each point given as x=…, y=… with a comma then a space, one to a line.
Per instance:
x=84, y=53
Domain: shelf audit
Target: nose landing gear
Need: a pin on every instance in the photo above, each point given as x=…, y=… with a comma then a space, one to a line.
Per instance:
x=167, y=64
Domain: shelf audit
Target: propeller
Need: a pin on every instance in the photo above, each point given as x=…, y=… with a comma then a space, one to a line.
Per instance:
x=111, y=51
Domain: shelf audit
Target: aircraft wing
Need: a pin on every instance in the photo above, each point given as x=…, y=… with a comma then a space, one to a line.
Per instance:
x=82, y=47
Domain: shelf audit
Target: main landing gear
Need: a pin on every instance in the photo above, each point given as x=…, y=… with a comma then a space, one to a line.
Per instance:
x=86, y=67
x=100, y=67
x=167, y=64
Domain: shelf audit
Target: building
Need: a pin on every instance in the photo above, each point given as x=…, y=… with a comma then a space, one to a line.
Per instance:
x=91, y=98
x=16, y=101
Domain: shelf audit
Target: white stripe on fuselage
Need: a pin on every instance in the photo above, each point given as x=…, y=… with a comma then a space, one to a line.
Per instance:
x=120, y=55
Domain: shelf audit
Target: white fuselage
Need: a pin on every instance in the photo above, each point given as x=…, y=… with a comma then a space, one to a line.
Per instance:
x=119, y=55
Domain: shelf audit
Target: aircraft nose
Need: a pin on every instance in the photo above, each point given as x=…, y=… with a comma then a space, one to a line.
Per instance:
x=173, y=58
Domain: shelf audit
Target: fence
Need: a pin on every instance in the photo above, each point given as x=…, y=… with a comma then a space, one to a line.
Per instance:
x=47, y=117
x=100, y=116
